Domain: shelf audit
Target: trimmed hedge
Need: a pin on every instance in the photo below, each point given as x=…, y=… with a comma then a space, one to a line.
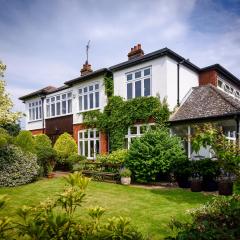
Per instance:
x=17, y=167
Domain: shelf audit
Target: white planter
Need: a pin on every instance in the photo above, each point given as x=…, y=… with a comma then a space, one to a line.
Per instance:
x=125, y=180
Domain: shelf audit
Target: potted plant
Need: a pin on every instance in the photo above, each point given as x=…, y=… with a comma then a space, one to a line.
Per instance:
x=50, y=173
x=182, y=172
x=125, y=174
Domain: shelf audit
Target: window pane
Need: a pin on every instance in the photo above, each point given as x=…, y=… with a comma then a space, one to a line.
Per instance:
x=147, y=72
x=97, y=134
x=47, y=100
x=147, y=87
x=96, y=86
x=80, y=91
x=86, y=148
x=143, y=129
x=80, y=103
x=96, y=99
x=30, y=114
x=36, y=112
x=133, y=130
x=138, y=89
x=91, y=100
x=90, y=88
x=138, y=74
x=86, y=134
x=69, y=95
x=48, y=110
x=40, y=112
x=69, y=105
x=129, y=91
x=52, y=109
x=52, y=99
x=33, y=114
x=81, y=148
x=129, y=77
x=64, y=107
x=58, y=108
x=97, y=148
x=85, y=89
x=92, y=148
x=64, y=96
x=58, y=97
x=85, y=102
x=91, y=134
x=80, y=135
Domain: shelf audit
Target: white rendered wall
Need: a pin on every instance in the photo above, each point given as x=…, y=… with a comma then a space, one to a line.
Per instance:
x=187, y=80
x=158, y=82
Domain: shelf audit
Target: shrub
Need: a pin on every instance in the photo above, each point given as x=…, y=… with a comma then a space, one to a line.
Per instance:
x=218, y=219
x=5, y=138
x=12, y=128
x=154, y=153
x=125, y=172
x=65, y=146
x=25, y=141
x=75, y=162
x=44, y=151
x=118, y=156
x=17, y=167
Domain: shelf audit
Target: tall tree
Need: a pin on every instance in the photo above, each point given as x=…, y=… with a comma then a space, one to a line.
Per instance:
x=6, y=104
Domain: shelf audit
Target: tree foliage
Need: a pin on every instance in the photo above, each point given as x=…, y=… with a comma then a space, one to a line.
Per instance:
x=25, y=141
x=6, y=115
x=118, y=115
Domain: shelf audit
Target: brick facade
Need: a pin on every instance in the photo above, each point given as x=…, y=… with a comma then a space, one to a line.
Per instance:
x=37, y=131
x=208, y=77
x=103, y=137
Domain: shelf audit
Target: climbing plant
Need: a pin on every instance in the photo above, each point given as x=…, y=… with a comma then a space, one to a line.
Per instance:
x=118, y=115
x=108, y=84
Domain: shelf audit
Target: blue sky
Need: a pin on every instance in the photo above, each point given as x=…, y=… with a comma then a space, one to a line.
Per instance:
x=43, y=41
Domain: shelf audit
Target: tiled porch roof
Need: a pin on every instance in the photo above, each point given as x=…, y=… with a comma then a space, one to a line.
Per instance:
x=205, y=102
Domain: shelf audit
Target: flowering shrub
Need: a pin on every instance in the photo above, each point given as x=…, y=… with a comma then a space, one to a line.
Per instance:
x=17, y=167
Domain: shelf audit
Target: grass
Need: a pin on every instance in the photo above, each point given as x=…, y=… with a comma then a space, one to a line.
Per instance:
x=150, y=209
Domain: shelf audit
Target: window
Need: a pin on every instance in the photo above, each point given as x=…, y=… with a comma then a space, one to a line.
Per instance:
x=35, y=110
x=139, y=83
x=88, y=97
x=137, y=130
x=88, y=143
x=59, y=105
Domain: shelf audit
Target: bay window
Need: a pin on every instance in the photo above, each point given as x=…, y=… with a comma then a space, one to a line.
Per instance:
x=35, y=110
x=59, y=105
x=139, y=83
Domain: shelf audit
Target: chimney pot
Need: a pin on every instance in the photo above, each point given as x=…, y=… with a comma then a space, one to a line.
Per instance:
x=86, y=69
x=135, y=52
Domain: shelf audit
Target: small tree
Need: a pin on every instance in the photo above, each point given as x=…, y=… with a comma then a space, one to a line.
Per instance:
x=65, y=146
x=6, y=116
x=153, y=153
x=44, y=150
x=25, y=141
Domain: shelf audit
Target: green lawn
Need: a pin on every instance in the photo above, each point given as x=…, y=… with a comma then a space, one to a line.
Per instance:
x=150, y=210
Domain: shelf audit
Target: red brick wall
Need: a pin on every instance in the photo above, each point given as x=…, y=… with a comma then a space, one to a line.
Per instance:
x=103, y=137
x=36, y=131
x=208, y=77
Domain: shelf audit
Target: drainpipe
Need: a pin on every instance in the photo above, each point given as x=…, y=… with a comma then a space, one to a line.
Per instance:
x=237, y=130
x=178, y=80
x=43, y=119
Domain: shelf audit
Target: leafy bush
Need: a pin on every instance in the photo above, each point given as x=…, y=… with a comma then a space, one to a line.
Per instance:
x=209, y=169
x=17, y=167
x=25, y=141
x=153, y=153
x=118, y=156
x=125, y=172
x=5, y=138
x=216, y=220
x=56, y=218
x=44, y=150
x=75, y=162
x=65, y=146
x=12, y=128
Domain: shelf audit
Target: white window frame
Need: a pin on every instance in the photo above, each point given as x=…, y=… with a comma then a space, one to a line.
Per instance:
x=129, y=136
x=82, y=94
x=142, y=78
x=227, y=88
x=49, y=104
x=35, y=109
x=82, y=139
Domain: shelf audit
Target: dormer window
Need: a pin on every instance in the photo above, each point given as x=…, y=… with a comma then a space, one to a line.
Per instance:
x=139, y=83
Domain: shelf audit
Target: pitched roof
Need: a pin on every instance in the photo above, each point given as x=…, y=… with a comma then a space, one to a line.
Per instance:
x=153, y=55
x=40, y=92
x=96, y=73
x=206, y=102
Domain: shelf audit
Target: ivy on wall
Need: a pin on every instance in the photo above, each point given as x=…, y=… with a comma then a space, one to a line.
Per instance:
x=108, y=84
x=118, y=115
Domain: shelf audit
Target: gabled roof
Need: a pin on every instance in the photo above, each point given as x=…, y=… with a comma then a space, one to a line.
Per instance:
x=96, y=73
x=153, y=55
x=223, y=71
x=41, y=92
x=206, y=102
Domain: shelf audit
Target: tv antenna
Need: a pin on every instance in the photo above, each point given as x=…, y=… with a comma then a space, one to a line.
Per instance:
x=87, y=49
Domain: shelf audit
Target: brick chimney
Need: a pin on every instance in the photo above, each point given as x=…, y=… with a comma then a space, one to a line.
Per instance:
x=135, y=52
x=86, y=69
